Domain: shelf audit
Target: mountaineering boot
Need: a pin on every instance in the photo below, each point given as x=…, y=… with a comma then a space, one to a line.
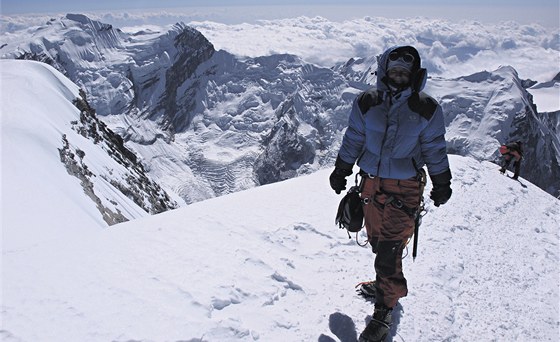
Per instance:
x=379, y=326
x=503, y=170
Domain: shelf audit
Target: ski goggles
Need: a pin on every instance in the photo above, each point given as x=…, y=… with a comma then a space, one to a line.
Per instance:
x=405, y=56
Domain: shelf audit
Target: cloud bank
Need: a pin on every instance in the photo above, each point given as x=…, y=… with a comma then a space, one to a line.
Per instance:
x=448, y=48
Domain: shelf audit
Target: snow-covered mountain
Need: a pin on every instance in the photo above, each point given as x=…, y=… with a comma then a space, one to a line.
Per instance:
x=52, y=139
x=207, y=123
x=265, y=264
x=490, y=108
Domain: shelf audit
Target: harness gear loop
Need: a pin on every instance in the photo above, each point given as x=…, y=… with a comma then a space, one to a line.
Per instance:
x=421, y=211
x=361, y=187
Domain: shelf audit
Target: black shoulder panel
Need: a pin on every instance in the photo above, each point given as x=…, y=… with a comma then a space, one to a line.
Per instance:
x=422, y=104
x=368, y=99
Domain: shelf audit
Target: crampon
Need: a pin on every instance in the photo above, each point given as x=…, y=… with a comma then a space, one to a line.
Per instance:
x=366, y=289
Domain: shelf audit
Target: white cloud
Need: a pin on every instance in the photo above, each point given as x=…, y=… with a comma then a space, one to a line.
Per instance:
x=465, y=46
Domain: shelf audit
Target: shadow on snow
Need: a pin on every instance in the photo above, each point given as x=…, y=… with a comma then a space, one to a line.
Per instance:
x=343, y=327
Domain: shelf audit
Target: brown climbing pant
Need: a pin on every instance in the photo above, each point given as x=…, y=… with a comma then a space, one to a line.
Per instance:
x=388, y=211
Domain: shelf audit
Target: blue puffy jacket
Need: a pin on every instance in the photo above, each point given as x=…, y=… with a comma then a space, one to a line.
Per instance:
x=388, y=133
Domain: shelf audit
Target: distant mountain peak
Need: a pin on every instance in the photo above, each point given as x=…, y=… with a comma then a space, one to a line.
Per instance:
x=85, y=20
x=221, y=122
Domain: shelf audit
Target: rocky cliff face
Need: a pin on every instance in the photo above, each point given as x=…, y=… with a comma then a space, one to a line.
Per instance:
x=487, y=109
x=134, y=183
x=285, y=148
x=160, y=82
x=540, y=134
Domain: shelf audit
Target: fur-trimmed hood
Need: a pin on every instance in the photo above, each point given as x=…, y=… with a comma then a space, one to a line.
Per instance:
x=418, y=74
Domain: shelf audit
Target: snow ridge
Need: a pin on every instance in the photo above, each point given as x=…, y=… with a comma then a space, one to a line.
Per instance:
x=58, y=121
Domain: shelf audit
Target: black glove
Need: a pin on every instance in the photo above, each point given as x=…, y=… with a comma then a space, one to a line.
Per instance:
x=441, y=190
x=342, y=170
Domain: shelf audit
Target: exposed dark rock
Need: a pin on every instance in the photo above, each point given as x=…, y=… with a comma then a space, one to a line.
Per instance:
x=136, y=185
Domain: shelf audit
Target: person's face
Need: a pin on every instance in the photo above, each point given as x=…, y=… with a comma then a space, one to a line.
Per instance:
x=399, y=77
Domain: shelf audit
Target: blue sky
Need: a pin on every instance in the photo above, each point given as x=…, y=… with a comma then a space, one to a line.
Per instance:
x=543, y=11
x=41, y=6
x=37, y=6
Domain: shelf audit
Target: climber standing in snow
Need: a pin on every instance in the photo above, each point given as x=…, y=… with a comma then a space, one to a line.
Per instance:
x=510, y=152
x=393, y=131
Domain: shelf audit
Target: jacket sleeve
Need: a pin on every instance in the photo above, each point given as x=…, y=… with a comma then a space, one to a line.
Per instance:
x=354, y=137
x=434, y=147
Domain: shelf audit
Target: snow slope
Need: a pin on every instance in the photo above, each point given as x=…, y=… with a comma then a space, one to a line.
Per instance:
x=33, y=122
x=264, y=264
x=268, y=264
x=37, y=111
